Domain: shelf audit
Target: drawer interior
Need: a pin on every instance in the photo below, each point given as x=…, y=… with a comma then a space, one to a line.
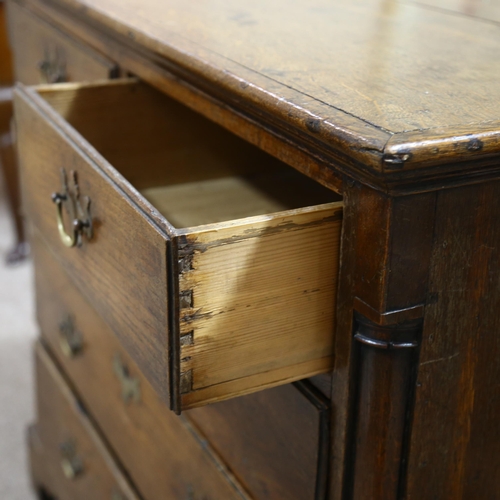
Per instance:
x=190, y=169
x=253, y=253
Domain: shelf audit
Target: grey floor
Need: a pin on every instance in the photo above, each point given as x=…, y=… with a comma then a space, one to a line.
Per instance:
x=17, y=333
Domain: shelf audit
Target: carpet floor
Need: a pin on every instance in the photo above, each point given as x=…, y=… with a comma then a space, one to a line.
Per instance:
x=17, y=333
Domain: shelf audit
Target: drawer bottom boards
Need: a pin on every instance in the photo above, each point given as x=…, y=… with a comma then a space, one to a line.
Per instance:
x=68, y=459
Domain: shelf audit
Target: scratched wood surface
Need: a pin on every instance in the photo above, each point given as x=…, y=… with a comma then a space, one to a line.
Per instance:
x=352, y=74
x=258, y=301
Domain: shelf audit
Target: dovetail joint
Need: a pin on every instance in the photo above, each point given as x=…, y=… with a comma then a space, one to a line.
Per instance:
x=187, y=339
x=186, y=382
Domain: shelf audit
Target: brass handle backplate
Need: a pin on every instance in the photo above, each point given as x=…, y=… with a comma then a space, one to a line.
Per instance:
x=78, y=211
x=70, y=339
x=131, y=389
x=71, y=463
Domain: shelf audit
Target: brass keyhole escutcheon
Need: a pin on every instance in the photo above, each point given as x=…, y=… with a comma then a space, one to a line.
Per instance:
x=131, y=389
x=71, y=463
x=77, y=209
x=70, y=339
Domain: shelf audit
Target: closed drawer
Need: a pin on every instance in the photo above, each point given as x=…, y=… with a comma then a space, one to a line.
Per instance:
x=214, y=264
x=44, y=54
x=277, y=441
x=67, y=457
x=163, y=455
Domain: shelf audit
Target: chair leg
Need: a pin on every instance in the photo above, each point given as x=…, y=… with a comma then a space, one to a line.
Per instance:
x=9, y=163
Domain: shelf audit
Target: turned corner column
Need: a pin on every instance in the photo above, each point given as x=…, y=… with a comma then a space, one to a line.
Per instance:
x=385, y=259
x=384, y=366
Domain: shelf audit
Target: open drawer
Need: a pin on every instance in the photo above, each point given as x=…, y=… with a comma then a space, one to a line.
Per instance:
x=214, y=264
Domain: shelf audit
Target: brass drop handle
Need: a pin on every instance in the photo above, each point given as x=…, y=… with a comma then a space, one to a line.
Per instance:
x=131, y=389
x=79, y=213
x=70, y=339
x=71, y=463
x=69, y=240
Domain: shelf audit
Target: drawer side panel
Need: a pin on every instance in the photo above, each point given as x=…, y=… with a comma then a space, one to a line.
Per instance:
x=259, y=302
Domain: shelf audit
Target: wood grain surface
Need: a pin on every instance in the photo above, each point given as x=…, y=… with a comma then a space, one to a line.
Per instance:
x=37, y=43
x=248, y=288
x=455, y=438
x=272, y=439
x=159, y=450
x=65, y=431
x=372, y=383
x=132, y=124
x=260, y=294
x=390, y=68
x=122, y=269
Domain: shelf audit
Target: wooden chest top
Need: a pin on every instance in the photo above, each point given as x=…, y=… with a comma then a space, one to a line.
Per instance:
x=396, y=86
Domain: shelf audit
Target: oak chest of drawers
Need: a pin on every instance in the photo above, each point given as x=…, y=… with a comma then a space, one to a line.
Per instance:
x=277, y=222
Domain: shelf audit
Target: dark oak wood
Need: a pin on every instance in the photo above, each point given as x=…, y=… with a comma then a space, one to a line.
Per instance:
x=273, y=440
x=68, y=458
x=383, y=86
x=384, y=360
x=132, y=250
x=455, y=437
x=44, y=53
x=395, y=106
x=158, y=449
x=387, y=288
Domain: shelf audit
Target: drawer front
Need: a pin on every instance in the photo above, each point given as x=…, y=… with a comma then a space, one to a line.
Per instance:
x=44, y=54
x=276, y=440
x=122, y=266
x=161, y=452
x=68, y=459
x=252, y=278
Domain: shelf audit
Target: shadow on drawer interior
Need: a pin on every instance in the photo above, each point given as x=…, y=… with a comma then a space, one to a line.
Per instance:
x=253, y=244
x=192, y=170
